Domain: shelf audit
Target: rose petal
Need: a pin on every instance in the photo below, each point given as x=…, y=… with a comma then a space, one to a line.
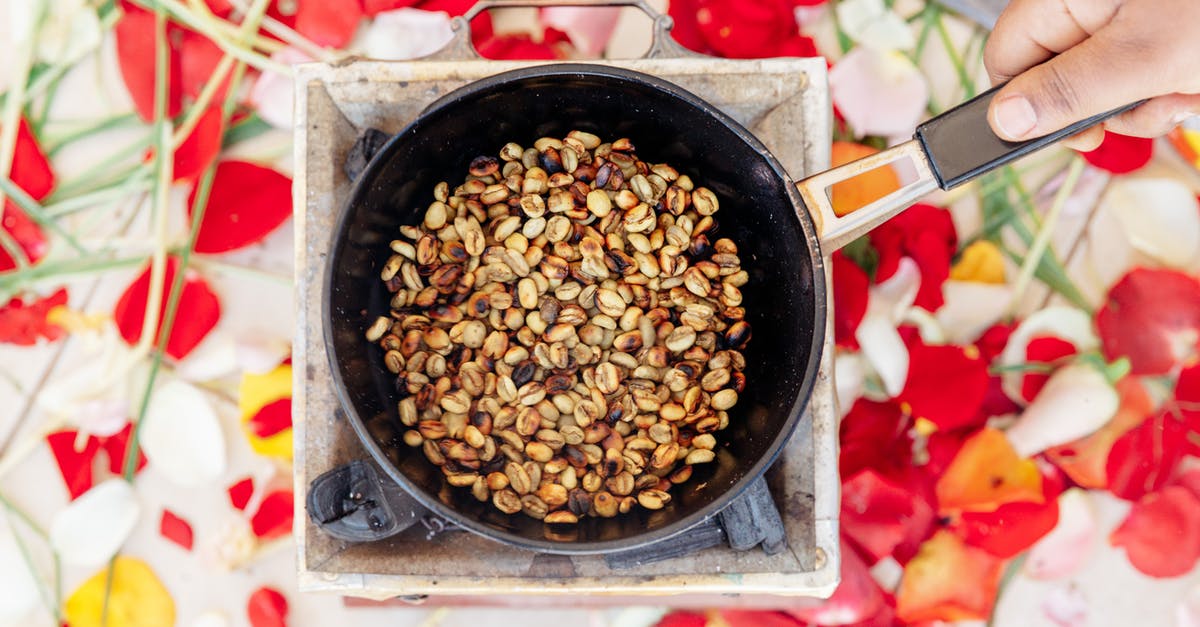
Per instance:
x=213, y=358
x=94, y=526
x=879, y=514
x=934, y=369
x=198, y=60
x=1013, y=527
x=1187, y=613
x=875, y=435
x=1153, y=318
x=1121, y=154
x=987, y=473
x=267, y=607
x=881, y=343
x=1143, y=459
x=406, y=34
x=19, y=585
x=521, y=46
x=246, y=203
x=24, y=323
x=878, y=93
x=1084, y=460
x=849, y=379
x=948, y=581
x=240, y=493
x=75, y=466
x=850, y=285
x=856, y=599
x=872, y=24
x=274, y=516
x=858, y=191
x=374, y=7
x=981, y=262
x=182, y=435
x=1066, y=606
x=30, y=168
x=196, y=314
x=1043, y=350
x=925, y=234
x=136, y=41
x=132, y=596
x=1065, y=549
x=68, y=33
x=329, y=24
x=589, y=28
x=756, y=618
x=1161, y=217
x=200, y=148
x=256, y=393
x=117, y=447
x=970, y=309
x=682, y=619
x=272, y=92
x=175, y=529
x=1076, y=401
x=1161, y=535
x=743, y=30
x=1066, y=323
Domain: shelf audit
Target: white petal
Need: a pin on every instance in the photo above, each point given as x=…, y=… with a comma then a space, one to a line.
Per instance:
x=872, y=24
x=1066, y=606
x=272, y=92
x=1161, y=218
x=182, y=436
x=1187, y=613
x=1066, y=323
x=214, y=357
x=406, y=34
x=1076, y=401
x=879, y=93
x=589, y=28
x=971, y=308
x=848, y=379
x=68, y=33
x=103, y=417
x=95, y=525
x=930, y=330
x=20, y=588
x=261, y=355
x=884, y=349
x=211, y=618
x=892, y=298
x=1061, y=552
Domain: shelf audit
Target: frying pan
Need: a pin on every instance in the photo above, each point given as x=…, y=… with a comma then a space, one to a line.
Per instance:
x=782, y=229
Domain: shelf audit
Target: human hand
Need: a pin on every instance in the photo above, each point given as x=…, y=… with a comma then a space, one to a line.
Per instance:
x=1109, y=53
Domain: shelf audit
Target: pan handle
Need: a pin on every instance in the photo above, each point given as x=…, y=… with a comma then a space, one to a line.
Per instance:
x=946, y=151
x=662, y=45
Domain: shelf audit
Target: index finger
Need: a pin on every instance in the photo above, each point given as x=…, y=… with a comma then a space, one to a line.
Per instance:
x=1029, y=32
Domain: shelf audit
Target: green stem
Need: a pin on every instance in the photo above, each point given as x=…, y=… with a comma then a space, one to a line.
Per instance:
x=52, y=601
x=97, y=198
x=54, y=145
x=206, y=27
x=956, y=60
x=1041, y=243
x=13, y=249
x=35, y=212
x=86, y=182
x=18, y=280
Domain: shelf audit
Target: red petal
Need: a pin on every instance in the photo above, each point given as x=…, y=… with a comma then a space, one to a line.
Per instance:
x=117, y=447
x=175, y=529
x=1045, y=350
x=30, y=168
x=246, y=203
x=926, y=234
x=198, y=59
x=25, y=232
x=521, y=46
x=849, y=300
x=879, y=514
x=240, y=493
x=1153, y=318
x=758, y=618
x=1143, y=459
x=1013, y=527
x=196, y=315
x=327, y=23
x=932, y=371
x=1120, y=153
x=682, y=619
x=857, y=598
x=1084, y=460
x=374, y=7
x=272, y=418
x=24, y=323
x=948, y=581
x=135, y=34
x=201, y=146
x=274, y=516
x=74, y=466
x=1161, y=535
x=220, y=8
x=875, y=435
x=267, y=607
x=687, y=30
x=481, y=26
x=993, y=341
x=1187, y=403
x=745, y=30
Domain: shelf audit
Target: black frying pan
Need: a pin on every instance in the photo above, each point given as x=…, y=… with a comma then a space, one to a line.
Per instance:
x=762, y=210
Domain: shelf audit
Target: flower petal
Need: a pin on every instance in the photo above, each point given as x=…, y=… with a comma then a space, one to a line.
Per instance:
x=948, y=581
x=925, y=234
x=23, y=323
x=329, y=24
x=200, y=148
x=588, y=27
x=1161, y=535
x=246, y=203
x=136, y=598
x=986, y=474
x=1121, y=154
x=136, y=41
x=981, y=262
x=196, y=315
x=1064, y=550
x=95, y=525
x=1013, y=527
x=272, y=92
x=934, y=369
x=182, y=435
x=1067, y=323
x=256, y=393
x=879, y=514
x=872, y=24
x=267, y=607
x=849, y=379
x=1066, y=606
x=849, y=299
x=1075, y=402
x=881, y=344
x=274, y=516
x=521, y=46
x=1143, y=459
x=875, y=435
x=75, y=465
x=971, y=308
x=30, y=168
x=1042, y=350
x=19, y=585
x=1084, y=460
x=406, y=34
x=175, y=529
x=858, y=191
x=1187, y=613
x=198, y=59
x=240, y=493
x=1153, y=318
x=878, y=93
x=857, y=598
x=1161, y=217
x=744, y=30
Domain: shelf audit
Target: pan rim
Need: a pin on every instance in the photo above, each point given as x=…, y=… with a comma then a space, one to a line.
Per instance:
x=567, y=71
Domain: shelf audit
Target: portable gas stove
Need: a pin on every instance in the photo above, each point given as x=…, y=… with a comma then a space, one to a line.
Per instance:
x=779, y=538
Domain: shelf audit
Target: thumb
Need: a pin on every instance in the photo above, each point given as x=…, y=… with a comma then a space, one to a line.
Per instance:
x=1093, y=77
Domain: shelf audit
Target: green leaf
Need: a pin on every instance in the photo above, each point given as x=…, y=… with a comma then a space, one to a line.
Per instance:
x=862, y=253
x=248, y=128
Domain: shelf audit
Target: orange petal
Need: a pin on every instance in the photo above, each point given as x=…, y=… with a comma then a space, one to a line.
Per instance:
x=1084, y=459
x=948, y=581
x=864, y=188
x=986, y=474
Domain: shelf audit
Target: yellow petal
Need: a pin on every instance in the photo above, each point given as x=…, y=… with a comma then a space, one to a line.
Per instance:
x=258, y=391
x=137, y=599
x=981, y=262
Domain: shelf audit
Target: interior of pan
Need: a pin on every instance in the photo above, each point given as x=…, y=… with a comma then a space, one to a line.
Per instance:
x=784, y=299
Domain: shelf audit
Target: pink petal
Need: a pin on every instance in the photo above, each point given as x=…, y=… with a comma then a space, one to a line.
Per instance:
x=272, y=93
x=1066, y=606
x=1160, y=216
x=1064, y=550
x=879, y=93
x=406, y=34
x=588, y=28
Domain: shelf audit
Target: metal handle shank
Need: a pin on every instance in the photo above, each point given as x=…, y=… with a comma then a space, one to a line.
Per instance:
x=484, y=5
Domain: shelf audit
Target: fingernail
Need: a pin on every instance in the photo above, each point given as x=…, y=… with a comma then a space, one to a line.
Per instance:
x=1015, y=116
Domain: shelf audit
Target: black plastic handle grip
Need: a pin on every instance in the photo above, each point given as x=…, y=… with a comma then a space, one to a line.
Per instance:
x=961, y=145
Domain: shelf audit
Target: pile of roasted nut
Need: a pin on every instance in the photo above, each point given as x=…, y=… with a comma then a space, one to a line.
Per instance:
x=564, y=330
